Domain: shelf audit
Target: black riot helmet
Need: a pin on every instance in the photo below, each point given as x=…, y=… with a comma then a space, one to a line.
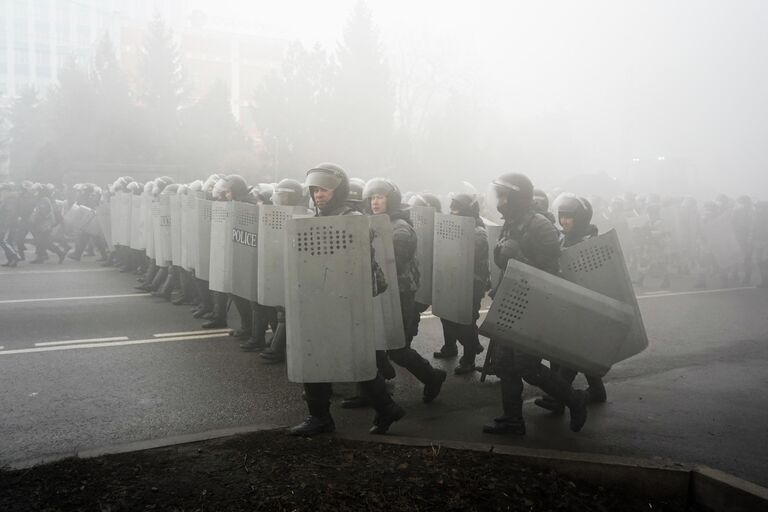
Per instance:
x=465, y=205
x=234, y=184
x=288, y=193
x=578, y=208
x=382, y=187
x=514, y=192
x=356, y=186
x=540, y=200
x=329, y=176
x=433, y=201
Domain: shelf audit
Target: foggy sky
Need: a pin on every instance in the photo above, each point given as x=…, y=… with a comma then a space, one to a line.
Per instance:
x=682, y=79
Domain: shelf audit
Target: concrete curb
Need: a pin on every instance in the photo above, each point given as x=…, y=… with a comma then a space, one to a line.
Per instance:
x=709, y=488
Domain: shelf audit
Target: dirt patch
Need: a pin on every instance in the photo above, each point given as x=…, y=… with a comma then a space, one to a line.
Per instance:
x=270, y=471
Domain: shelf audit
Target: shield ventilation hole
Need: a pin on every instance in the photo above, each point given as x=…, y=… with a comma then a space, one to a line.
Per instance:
x=449, y=230
x=323, y=240
x=275, y=219
x=247, y=219
x=207, y=211
x=591, y=258
x=513, y=304
x=419, y=221
x=219, y=215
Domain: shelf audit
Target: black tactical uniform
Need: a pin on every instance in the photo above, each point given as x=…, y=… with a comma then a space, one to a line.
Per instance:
x=531, y=238
x=467, y=206
x=41, y=224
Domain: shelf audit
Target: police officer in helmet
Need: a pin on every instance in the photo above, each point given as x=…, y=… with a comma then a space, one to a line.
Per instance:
x=529, y=237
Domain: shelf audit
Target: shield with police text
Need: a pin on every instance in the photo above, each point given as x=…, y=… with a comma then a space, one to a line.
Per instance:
x=494, y=232
x=329, y=302
x=138, y=238
x=203, y=260
x=175, y=210
x=388, y=316
x=549, y=317
x=598, y=264
x=453, y=268
x=162, y=231
x=423, y=219
x=103, y=216
x=245, y=236
x=721, y=242
x=220, y=274
x=271, y=260
x=188, y=231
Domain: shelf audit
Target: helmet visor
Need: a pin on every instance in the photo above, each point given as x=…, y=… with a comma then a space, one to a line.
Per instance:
x=323, y=178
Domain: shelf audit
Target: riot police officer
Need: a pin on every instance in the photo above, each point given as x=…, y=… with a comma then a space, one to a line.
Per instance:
x=382, y=196
x=41, y=223
x=329, y=189
x=541, y=204
x=531, y=238
x=9, y=204
x=467, y=205
x=574, y=215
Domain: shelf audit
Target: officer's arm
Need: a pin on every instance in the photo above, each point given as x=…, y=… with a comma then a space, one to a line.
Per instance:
x=547, y=238
x=404, y=241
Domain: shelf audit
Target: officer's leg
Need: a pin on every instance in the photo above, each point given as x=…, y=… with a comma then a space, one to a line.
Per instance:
x=206, y=298
x=387, y=411
x=318, y=397
x=511, y=421
x=596, y=389
x=79, y=247
x=246, y=317
x=275, y=353
x=10, y=254
x=360, y=399
x=449, y=349
x=188, y=292
x=159, y=279
x=167, y=287
x=219, y=317
x=536, y=374
x=552, y=404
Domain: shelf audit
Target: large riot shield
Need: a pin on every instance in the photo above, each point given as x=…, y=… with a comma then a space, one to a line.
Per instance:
x=77, y=218
x=121, y=218
x=598, y=264
x=203, y=252
x=423, y=218
x=453, y=268
x=114, y=214
x=388, y=315
x=189, y=235
x=103, y=216
x=245, y=235
x=161, y=216
x=175, y=211
x=138, y=238
x=220, y=274
x=329, y=303
x=494, y=232
x=549, y=317
x=271, y=259
x=721, y=242
x=149, y=232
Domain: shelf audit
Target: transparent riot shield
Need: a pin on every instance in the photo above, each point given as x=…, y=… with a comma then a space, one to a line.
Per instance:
x=245, y=236
x=494, y=232
x=149, y=226
x=271, y=260
x=203, y=208
x=175, y=210
x=453, y=268
x=220, y=274
x=546, y=316
x=77, y=217
x=189, y=235
x=721, y=242
x=423, y=218
x=599, y=265
x=388, y=316
x=329, y=303
x=138, y=238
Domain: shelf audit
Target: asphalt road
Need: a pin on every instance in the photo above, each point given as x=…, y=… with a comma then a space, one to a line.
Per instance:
x=85, y=362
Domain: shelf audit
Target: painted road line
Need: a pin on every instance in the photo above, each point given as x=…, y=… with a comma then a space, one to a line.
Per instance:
x=64, y=271
x=1, y=348
x=91, y=297
x=191, y=333
x=75, y=342
x=108, y=344
x=696, y=292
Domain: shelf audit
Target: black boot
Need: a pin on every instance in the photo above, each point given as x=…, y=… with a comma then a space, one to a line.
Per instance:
x=433, y=387
x=550, y=404
x=384, y=419
x=596, y=390
x=313, y=425
x=506, y=425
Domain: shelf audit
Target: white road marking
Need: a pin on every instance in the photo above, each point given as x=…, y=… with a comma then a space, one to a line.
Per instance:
x=63, y=271
x=1, y=348
x=108, y=344
x=74, y=342
x=188, y=333
x=696, y=292
x=91, y=297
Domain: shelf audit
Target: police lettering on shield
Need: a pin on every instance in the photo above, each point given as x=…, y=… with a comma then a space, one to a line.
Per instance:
x=244, y=237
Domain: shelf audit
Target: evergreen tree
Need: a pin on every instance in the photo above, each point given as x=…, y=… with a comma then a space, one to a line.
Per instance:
x=26, y=136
